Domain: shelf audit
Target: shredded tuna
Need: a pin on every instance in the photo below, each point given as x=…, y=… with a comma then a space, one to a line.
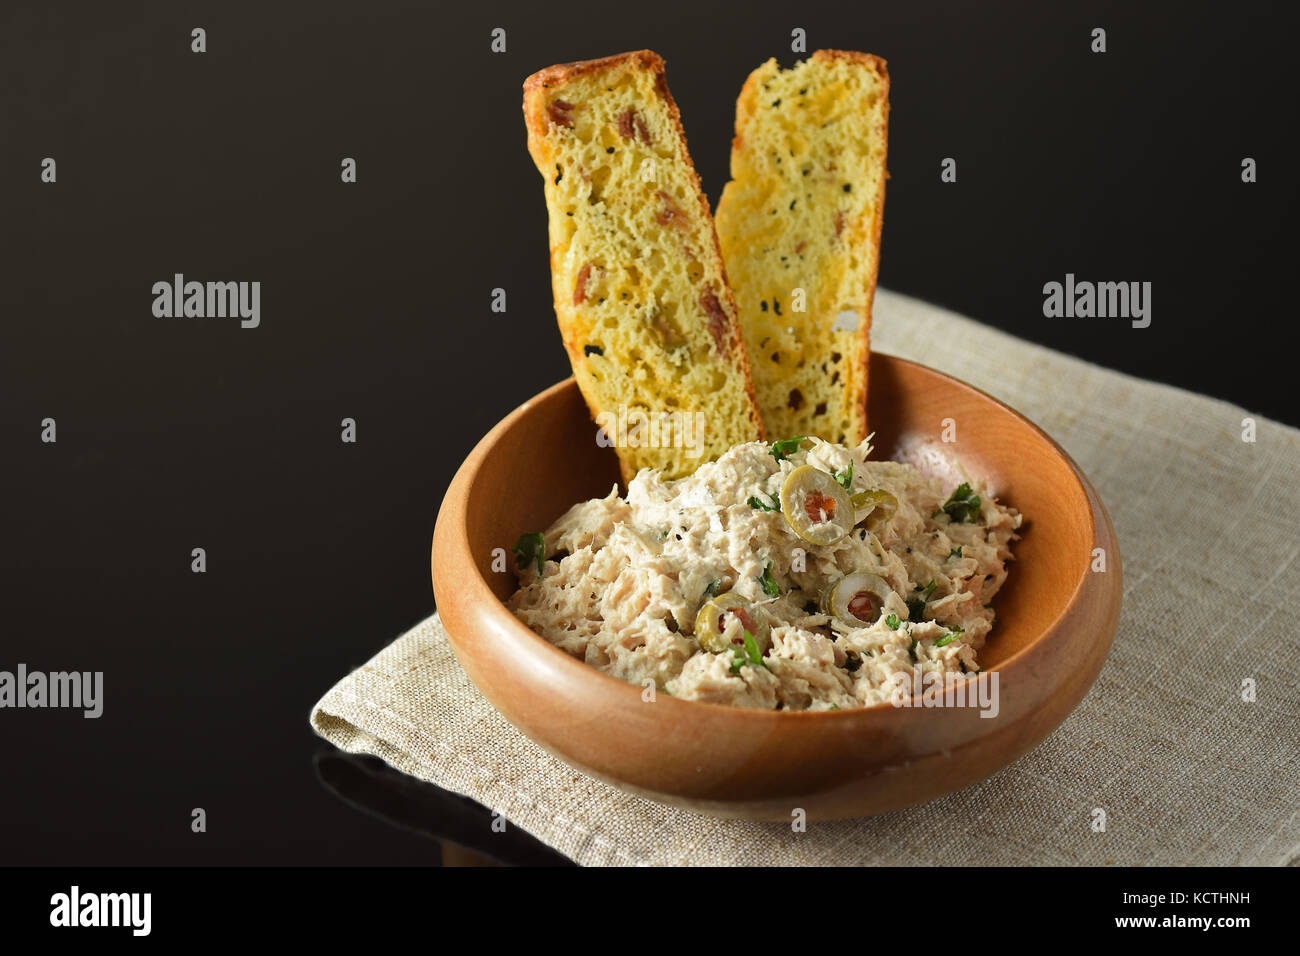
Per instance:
x=626, y=578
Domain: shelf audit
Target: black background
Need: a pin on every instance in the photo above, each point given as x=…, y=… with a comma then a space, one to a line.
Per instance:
x=176, y=434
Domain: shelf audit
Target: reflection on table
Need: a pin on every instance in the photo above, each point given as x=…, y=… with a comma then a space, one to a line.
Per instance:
x=461, y=827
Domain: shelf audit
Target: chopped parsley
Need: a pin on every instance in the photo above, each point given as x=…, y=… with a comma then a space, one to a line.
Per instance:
x=962, y=505
x=916, y=606
x=786, y=446
x=912, y=650
x=955, y=552
x=892, y=622
x=713, y=589
x=768, y=583
x=530, y=547
x=845, y=478
x=951, y=636
x=749, y=655
x=761, y=505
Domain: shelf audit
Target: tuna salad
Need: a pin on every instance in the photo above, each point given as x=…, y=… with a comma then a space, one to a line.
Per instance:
x=791, y=576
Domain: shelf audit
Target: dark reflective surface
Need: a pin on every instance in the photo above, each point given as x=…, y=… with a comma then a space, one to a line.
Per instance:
x=177, y=434
x=459, y=830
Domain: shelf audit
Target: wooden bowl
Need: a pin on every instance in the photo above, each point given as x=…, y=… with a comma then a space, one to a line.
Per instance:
x=1056, y=617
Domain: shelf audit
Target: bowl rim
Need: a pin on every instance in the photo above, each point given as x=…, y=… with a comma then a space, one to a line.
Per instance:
x=483, y=594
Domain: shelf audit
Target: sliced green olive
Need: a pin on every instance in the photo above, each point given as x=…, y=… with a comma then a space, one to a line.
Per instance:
x=816, y=506
x=857, y=599
x=720, y=613
x=876, y=506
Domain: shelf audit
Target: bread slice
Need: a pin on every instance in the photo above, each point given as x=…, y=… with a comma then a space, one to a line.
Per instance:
x=802, y=213
x=641, y=292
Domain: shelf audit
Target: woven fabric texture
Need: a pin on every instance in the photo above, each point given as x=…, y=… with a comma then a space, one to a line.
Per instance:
x=1186, y=770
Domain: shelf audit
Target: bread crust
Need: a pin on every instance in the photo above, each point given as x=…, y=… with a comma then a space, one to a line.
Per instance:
x=537, y=89
x=561, y=73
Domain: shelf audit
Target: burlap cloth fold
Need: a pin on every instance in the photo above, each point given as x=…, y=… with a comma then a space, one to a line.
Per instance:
x=1185, y=769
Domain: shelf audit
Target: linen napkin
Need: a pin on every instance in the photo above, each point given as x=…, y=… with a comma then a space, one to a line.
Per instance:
x=1185, y=751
